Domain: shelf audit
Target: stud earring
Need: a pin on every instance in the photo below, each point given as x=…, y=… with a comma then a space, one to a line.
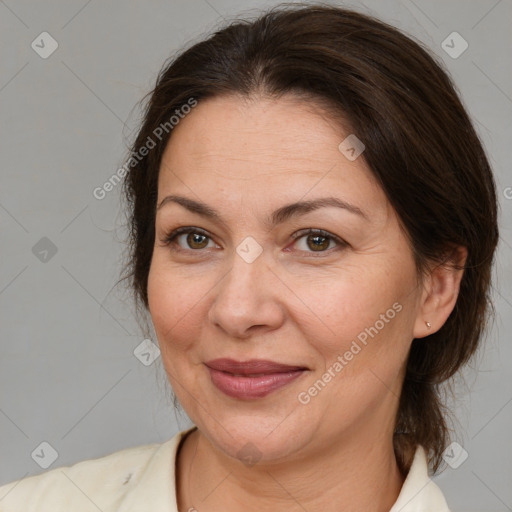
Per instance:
x=429, y=325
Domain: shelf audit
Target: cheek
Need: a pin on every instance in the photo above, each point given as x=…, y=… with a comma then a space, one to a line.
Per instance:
x=366, y=353
x=358, y=305
x=361, y=357
x=174, y=305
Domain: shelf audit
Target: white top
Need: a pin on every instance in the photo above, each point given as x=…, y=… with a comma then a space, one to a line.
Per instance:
x=142, y=478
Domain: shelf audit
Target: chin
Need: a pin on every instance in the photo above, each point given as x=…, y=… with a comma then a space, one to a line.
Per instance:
x=257, y=439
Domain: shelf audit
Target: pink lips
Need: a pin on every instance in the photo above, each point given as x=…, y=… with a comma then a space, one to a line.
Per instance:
x=251, y=379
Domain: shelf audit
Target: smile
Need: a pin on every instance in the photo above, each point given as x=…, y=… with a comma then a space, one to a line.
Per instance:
x=251, y=379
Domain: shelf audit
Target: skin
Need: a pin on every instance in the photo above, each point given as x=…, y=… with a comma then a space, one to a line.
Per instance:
x=292, y=304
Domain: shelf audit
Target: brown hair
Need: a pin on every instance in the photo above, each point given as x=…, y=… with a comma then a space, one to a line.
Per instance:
x=420, y=145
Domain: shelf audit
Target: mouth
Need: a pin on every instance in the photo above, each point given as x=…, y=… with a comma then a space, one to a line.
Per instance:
x=251, y=379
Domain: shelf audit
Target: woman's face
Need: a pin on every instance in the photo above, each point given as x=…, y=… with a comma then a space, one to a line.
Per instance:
x=339, y=308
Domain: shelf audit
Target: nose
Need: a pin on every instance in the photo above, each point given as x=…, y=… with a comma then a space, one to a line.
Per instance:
x=248, y=299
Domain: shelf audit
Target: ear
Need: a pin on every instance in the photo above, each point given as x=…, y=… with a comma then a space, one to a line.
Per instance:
x=440, y=292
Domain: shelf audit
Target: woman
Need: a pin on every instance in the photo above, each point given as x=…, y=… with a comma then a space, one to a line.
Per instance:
x=313, y=224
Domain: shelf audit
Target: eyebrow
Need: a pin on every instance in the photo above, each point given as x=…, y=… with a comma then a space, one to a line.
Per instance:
x=279, y=216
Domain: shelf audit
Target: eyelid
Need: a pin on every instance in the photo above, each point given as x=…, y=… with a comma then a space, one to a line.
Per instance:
x=170, y=237
x=340, y=243
x=317, y=231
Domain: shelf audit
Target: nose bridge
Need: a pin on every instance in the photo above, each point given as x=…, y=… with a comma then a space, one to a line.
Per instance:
x=246, y=278
x=245, y=296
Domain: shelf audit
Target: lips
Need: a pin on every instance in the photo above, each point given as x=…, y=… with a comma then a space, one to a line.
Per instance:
x=251, y=379
x=251, y=367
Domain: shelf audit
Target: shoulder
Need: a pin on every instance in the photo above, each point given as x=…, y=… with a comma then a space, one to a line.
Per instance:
x=102, y=483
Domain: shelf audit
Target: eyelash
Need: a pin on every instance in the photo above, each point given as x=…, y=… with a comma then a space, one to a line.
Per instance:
x=169, y=238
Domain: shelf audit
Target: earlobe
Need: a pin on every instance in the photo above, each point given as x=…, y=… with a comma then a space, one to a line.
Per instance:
x=441, y=290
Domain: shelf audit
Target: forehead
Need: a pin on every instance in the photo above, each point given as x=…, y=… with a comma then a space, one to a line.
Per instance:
x=266, y=147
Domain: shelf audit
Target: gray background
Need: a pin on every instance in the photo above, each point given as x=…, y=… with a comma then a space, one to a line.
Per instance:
x=68, y=374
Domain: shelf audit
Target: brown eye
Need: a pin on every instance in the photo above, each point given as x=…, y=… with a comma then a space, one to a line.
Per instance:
x=196, y=240
x=317, y=240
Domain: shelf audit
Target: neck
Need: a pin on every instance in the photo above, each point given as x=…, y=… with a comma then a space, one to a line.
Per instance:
x=350, y=475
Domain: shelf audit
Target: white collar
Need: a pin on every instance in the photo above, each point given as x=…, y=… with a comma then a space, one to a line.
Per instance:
x=419, y=493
